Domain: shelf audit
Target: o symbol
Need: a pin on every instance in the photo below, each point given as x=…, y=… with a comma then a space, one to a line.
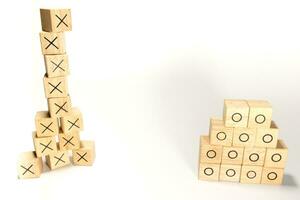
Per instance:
x=251, y=174
x=230, y=173
x=244, y=137
x=267, y=138
x=272, y=176
x=221, y=136
x=208, y=171
x=232, y=154
x=254, y=157
x=276, y=157
x=236, y=117
x=260, y=119
x=211, y=154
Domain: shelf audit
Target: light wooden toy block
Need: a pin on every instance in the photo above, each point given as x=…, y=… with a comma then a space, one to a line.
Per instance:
x=219, y=134
x=244, y=137
x=52, y=43
x=45, y=125
x=57, y=65
x=59, y=107
x=44, y=146
x=230, y=173
x=209, y=153
x=56, y=20
x=69, y=141
x=55, y=87
x=254, y=156
x=29, y=166
x=260, y=114
x=272, y=176
x=58, y=160
x=233, y=155
x=209, y=172
x=267, y=137
x=84, y=156
x=72, y=122
x=277, y=158
x=251, y=174
x=236, y=113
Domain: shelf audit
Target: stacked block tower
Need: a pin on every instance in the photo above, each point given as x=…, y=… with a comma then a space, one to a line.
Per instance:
x=243, y=146
x=57, y=135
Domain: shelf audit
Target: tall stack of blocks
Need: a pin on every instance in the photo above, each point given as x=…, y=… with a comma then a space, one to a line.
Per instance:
x=57, y=135
x=243, y=146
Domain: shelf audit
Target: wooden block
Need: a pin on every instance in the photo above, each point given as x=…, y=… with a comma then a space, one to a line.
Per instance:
x=56, y=20
x=272, y=176
x=260, y=114
x=29, y=166
x=84, y=156
x=72, y=122
x=58, y=160
x=244, y=137
x=236, y=113
x=209, y=153
x=276, y=158
x=254, y=156
x=57, y=65
x=209, y=172
x=233, y=155
x=69, y=141
x=59, y=107
x=267, y=137
x=230, y=173
x=45, y=125
x=44, y=146
x=52, y=43
x=219, y=134
x=251, y=174
x=55, y=87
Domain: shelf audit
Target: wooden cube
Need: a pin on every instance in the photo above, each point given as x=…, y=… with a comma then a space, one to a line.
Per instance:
x=59, y=107
x=233, y=155
x=254, y=156
x=276, y=158
x=236, y=113
x=260, y=114
x=56, y=20
x=244, y=137
x=209, y=153
x=209, y=172
x=84, y=156
x=272, y=176
x=58, y=160
x=52, y=43
x=251, y=174
x=57, y=65
x=267, y=137
x=55, y=87
x=29, y=166
x=230, y=173
x=44, y=146
x=72, y=122
x=219, y=134
x=69, y=141
x=45, y=125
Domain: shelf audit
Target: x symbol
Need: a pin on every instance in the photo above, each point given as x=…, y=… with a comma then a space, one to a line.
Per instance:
x=51, y=43
x=81, y=157
x=69, y=141
x=61, y=21
x=46, y=146
x=47, y=127
x=73, y=124
x=59, y=159
x=61, y=108
x=55, y=87
x=57, y=65
x=27, y=169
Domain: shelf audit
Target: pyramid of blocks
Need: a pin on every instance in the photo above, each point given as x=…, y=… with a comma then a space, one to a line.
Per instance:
x=243, y=146
x=57, y=136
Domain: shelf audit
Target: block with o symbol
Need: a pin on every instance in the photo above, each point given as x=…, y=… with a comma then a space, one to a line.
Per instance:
x=260, y=114
x=251, y=174
x=219, y=134
x=272, y=176
x=244, y=137
x=277, y=157
x=209, y=172
x=236, y=113
x=230, y=173
x=267, y=137
x=254, y=156
x=232, y=155
x=209, y=153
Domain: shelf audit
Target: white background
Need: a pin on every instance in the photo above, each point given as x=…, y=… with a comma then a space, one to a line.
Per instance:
x=147, y=76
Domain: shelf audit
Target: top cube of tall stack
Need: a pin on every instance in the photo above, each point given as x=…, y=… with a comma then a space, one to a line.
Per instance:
x=56, y=20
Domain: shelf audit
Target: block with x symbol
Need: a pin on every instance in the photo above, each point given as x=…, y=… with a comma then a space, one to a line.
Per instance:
x=57, y=65
x=55, y=87
x=59, y=107
x=29, y=165
x=56, y=20
x=52, y=43
x=72, y=122
x=45, y=125
x=85, y=155
x=45, y=145
x=58, y=160
x=69, y=141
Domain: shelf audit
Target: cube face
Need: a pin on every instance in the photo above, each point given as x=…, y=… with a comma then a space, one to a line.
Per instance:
x=52, y=43
x=29, y=166
x=251, y=174
x=219, y=134
x=233, y=155
x=55, y=87
x=44, y=146
x=72, y=122
x=57, y=65
x=58, y=160
x=236, y=113
x=267, y=137
x=260, y=114
x=209, y=153
x=45, y=125
x=273, y=176
x=254, y=156
x=244, y=137
x=56, y=20
x=230, y=173
x=84, y=156
x=59, y=107
x=209, y=172
x=276, y=158
x=69, y=141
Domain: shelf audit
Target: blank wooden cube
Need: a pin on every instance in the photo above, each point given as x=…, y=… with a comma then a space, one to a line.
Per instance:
x=209, y=153
x=72, y=122
x=277, y=157
x=45, y=125
x=230, y=173
x=233, y=155
x=260, y=114
x=209, y=172
x=236, y=113
x=29, y=166
x=58, y=160
x=272, y=176
x=57, y=65
x=254, y=156
x=267, y=137
x=251, y=174
x=219, y=134
x=55, y=87
x=84, y=156
x=69, y=141
x=52, y=43
x=244, y=137
x=59, y=107
x=44, y=146
x=56, y=20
